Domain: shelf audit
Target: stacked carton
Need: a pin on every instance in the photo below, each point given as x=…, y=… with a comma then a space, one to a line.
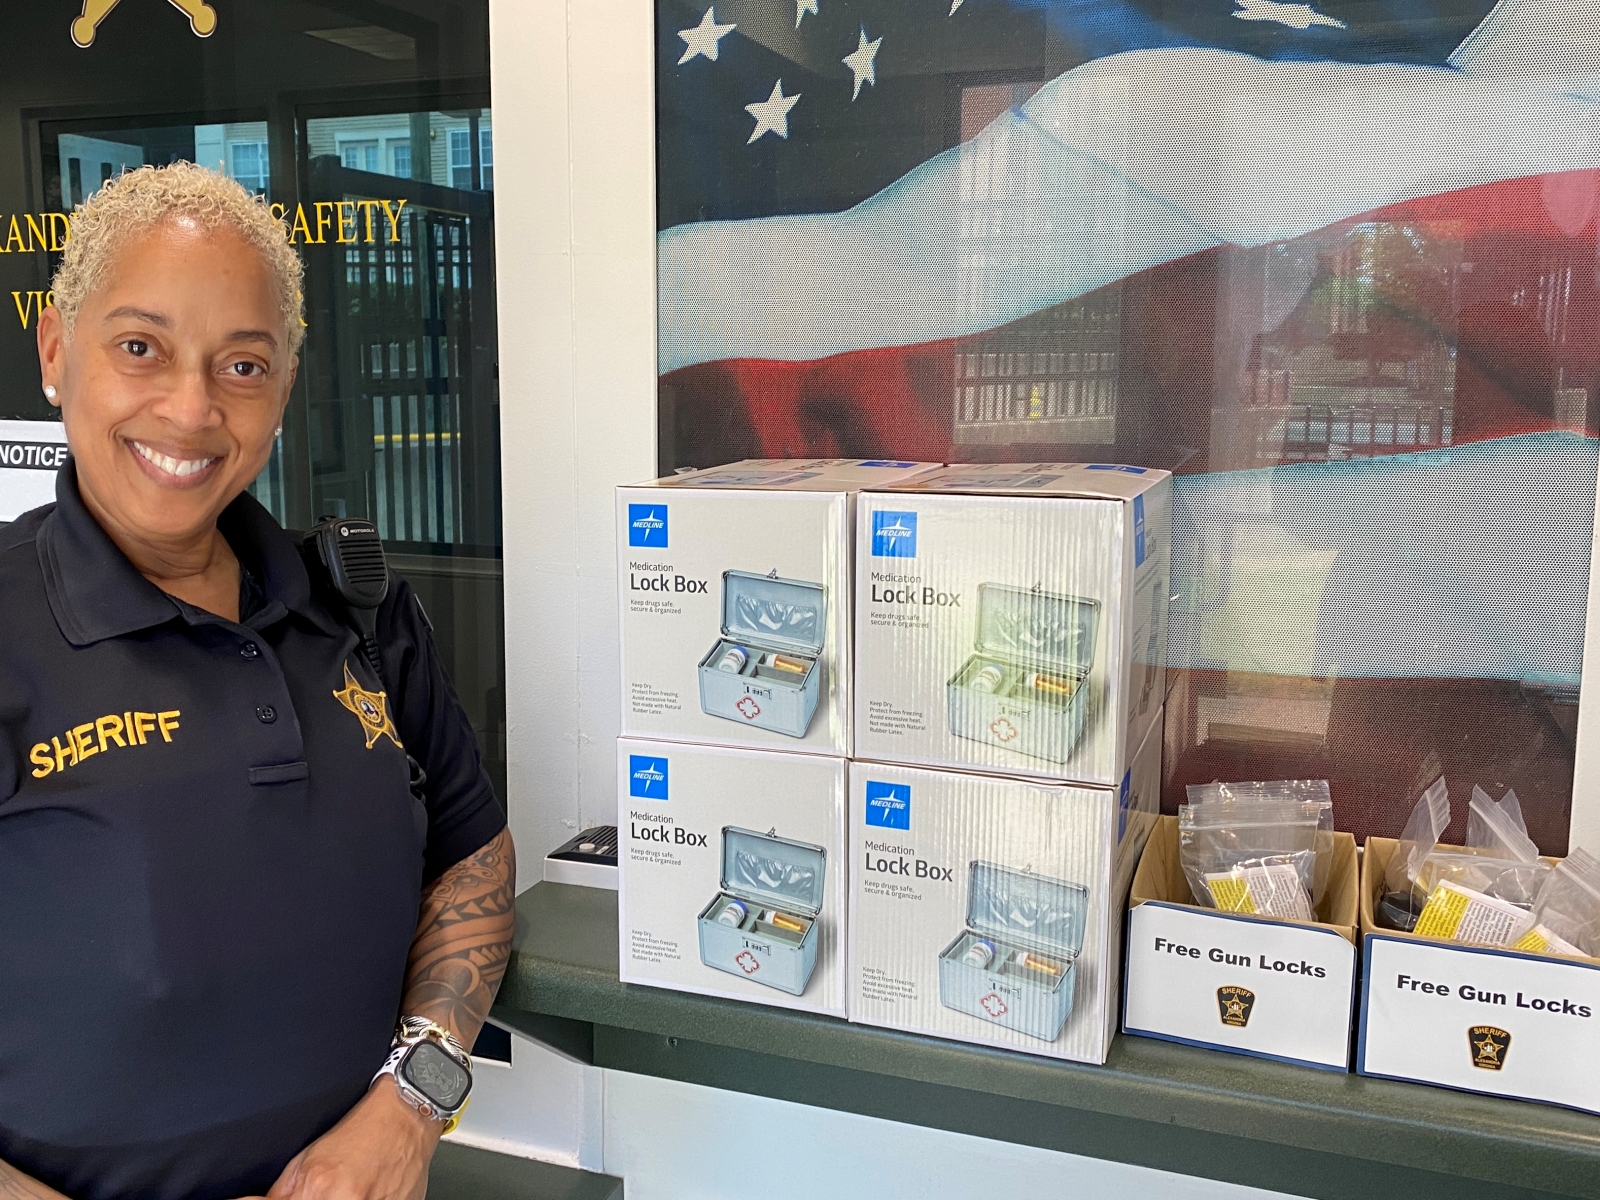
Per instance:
x=736, y=588
x=1010, y=626
x=985, y=645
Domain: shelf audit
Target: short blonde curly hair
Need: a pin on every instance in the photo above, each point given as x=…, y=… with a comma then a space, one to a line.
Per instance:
x=147, y=197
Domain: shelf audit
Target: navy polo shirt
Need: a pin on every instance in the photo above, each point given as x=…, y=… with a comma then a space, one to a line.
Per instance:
x=210, y=858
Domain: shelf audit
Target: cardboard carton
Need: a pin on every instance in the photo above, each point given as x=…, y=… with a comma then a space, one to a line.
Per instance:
x=1242, y=983
x=988, y=909
x=735, y=587
x=1012, y=619
x=732, y=873
x=1474, y=1018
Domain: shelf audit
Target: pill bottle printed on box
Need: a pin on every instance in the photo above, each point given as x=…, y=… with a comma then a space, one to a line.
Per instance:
x=1023, y=688
x=762, y=924
x=766, y=669
x=1028, y=932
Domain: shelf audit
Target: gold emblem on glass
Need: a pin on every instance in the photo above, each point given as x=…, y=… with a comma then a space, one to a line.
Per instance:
x=202, y=18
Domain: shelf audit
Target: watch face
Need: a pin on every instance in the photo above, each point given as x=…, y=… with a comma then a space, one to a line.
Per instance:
x=437, y=1076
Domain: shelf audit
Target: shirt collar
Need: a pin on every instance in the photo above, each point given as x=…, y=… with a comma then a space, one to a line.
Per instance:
x=95, y=593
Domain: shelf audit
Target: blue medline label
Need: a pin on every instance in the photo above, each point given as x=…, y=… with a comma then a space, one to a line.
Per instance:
x=647, y=525
x=647, y=777
x=1138, y=531
x=1123, y=795
x=880, y=462
x=894, y=535
x=1117, y=467
x=889, y=805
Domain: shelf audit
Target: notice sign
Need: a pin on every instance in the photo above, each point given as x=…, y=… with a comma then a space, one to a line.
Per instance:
x=30, y=453
x=1275, y=989
x=1482, y=1020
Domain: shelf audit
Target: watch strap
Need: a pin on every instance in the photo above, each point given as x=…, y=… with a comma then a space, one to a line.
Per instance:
x=409, y=1033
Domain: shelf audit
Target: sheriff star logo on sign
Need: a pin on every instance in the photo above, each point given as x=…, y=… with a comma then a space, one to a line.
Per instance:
x=1488, y=1045
x=1234, y=1004
x=202, y=18
x=371, y=708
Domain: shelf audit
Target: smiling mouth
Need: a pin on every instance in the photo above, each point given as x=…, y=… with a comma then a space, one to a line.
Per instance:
x=177, y=468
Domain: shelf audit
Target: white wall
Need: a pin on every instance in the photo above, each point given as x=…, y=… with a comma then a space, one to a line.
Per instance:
x=670, y=1141
x=575, y=232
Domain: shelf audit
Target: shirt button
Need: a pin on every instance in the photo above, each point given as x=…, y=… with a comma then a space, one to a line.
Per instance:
x=249, y=650
x=266, y=714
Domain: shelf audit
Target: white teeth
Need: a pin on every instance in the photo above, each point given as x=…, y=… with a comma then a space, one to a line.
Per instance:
x=180, y=467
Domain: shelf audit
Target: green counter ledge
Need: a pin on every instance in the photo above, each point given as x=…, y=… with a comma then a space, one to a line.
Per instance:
x=1154, y=1104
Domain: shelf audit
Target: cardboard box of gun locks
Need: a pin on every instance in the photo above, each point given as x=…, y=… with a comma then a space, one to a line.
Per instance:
x=735, y=594
x=1474, y=1018
x=1243, y=983
x=988, y=909
x=732, y=878
x=1012, y=618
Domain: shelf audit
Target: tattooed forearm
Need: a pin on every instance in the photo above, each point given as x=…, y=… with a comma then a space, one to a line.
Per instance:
x=463, y=942
x=14, y=1185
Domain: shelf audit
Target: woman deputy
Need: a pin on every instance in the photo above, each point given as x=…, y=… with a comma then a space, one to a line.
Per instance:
x=239, y=953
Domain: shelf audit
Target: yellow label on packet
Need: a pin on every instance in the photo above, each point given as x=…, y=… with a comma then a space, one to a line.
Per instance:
x=1231, y=893
x=1539, y=940
x=1457, y=914
x=1533, y=942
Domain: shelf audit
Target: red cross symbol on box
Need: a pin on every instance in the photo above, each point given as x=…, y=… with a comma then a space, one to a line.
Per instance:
x=994, y=1006
x=1004, y=729
x=748, y=963
x=749, y=708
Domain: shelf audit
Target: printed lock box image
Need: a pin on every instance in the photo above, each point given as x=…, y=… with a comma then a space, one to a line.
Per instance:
x=766, y=669
x=762, y=924
x=1016, y=962
x=1024, y=688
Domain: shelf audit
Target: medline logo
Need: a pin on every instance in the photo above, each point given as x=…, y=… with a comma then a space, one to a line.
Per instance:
x=647, y=777
x=647, y=525
x=1138, y=531
x=889, y=805
x=894, y=535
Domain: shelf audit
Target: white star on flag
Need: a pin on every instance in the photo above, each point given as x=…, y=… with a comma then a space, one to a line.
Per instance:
x=1295, y=16
x=772, y=114
x=801, y=8
x=861, y=63
x=703, y=38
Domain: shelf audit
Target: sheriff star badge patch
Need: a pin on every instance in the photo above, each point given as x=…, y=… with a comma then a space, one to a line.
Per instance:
x=371, y=708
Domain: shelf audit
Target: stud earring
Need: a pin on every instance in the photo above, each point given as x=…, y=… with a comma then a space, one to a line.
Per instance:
x=49, y=392
x=278, y=432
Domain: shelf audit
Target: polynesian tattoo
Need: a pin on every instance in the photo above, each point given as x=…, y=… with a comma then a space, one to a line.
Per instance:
x=463, y=941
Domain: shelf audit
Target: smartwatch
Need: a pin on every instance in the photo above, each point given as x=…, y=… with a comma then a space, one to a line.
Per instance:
x=431, y=1069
